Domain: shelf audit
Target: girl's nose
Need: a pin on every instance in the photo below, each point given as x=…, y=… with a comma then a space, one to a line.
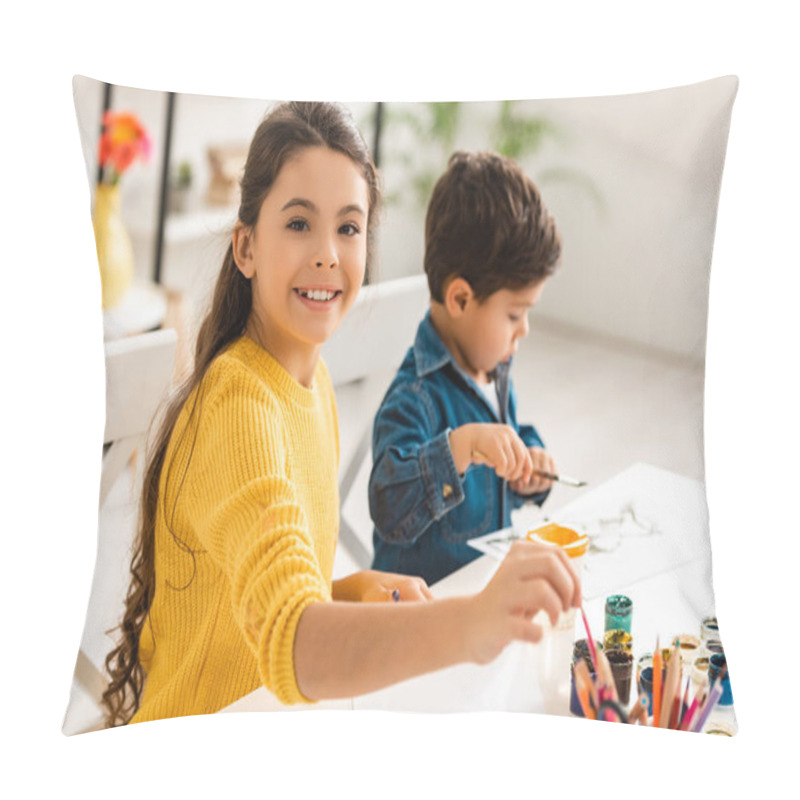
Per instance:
x=326, y=256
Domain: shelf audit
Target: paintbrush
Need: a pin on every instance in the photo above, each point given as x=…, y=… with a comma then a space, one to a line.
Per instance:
x=481, y=458
x=670, y=688
x=590, y=640
x=657, y=668
x=561, y=479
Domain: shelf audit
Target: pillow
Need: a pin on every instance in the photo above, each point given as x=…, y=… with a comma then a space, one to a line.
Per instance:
x=611, y=375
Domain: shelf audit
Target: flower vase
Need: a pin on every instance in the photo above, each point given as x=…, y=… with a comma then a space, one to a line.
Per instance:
x=114, y=248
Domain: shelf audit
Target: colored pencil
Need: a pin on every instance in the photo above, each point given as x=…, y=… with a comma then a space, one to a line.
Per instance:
x=690, y=712
x=584, y=678
x=684, y=706
x=670, y=688
x=711, y=701
x=657, y=667
x=583, y=699
x=606, y=676
x=639, y=711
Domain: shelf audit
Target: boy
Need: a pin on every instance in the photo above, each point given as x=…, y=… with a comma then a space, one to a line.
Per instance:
x=449, y=459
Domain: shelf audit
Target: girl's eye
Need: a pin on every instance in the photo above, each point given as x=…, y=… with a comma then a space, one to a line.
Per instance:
x=514, y=318
x=298, y=225
x=348, y=229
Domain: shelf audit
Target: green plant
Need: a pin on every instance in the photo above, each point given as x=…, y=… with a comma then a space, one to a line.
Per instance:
x=183, y=175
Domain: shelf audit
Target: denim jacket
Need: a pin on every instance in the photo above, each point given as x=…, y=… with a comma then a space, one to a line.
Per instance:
x=423, y=510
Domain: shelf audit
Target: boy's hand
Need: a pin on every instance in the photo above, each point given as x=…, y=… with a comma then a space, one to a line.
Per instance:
x=542, y=462
x=372, y=586
x=531, y=578
x=496, y=445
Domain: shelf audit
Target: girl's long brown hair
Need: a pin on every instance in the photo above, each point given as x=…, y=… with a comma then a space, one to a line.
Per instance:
x=287, y=129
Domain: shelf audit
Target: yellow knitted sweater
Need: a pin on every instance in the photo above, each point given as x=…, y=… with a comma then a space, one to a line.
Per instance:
x=248, y=515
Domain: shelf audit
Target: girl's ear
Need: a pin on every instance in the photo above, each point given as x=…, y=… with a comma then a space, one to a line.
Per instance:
x=457, y=296
x=242, y=251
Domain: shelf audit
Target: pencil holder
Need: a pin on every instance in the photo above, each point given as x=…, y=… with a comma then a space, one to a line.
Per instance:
x=715, y=664
x=621, y=662
x=619, y=610
x=617, y=640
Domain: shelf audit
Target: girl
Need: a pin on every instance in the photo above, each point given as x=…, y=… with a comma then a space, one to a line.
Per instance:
x=231, y=576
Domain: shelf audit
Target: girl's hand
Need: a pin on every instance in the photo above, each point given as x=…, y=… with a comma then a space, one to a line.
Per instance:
x=531, y=578
x=371, y=586
x=542, y=462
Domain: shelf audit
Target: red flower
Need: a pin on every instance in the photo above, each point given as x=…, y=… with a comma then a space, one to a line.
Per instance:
x=123, y=140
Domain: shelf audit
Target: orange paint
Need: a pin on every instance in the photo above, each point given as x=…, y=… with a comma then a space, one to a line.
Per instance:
x=574, y=544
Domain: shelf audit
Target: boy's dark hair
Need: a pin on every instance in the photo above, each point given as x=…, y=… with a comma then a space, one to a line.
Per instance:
x=486, y=223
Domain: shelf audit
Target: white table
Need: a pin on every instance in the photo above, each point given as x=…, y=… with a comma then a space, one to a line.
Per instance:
x=666, y=573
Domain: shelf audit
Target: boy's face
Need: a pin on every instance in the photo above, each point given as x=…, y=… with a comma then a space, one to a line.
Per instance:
x=488, y=333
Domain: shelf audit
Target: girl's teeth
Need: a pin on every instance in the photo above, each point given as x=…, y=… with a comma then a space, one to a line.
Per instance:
x=319, y=294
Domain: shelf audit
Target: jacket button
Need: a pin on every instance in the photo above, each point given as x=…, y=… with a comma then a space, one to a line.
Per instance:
x=447, y=490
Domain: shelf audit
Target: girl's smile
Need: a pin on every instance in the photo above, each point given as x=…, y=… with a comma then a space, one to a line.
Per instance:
x=319, y=298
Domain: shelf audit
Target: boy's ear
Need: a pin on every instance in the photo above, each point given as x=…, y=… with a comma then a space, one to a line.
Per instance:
x=457, y=296
x=242, y=251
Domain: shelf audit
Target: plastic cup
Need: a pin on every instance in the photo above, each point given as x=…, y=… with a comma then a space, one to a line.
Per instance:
x=555, y=648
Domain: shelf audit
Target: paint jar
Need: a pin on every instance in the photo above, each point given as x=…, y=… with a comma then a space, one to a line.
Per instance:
x=646, y=687
x=553, y=652
x=621, y=662
x=715, y=664
x=574, y=544
x=714, y=648
x=709, y=630
x=580, y=650
x=617, y=640
x=720, y=727
x=699, y=673
x=574, y=702
x=619, y=610
x=644, y=660
x=689, y=647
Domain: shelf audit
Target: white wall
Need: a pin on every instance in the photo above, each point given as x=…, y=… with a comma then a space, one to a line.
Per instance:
x=636, y=212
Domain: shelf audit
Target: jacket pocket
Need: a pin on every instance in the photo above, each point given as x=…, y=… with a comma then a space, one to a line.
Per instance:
x=472, y=517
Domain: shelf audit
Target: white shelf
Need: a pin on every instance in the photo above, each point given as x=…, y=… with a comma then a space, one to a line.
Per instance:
x=190, y=226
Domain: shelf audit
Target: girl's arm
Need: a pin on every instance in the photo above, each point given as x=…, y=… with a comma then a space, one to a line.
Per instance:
x=346, y=649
